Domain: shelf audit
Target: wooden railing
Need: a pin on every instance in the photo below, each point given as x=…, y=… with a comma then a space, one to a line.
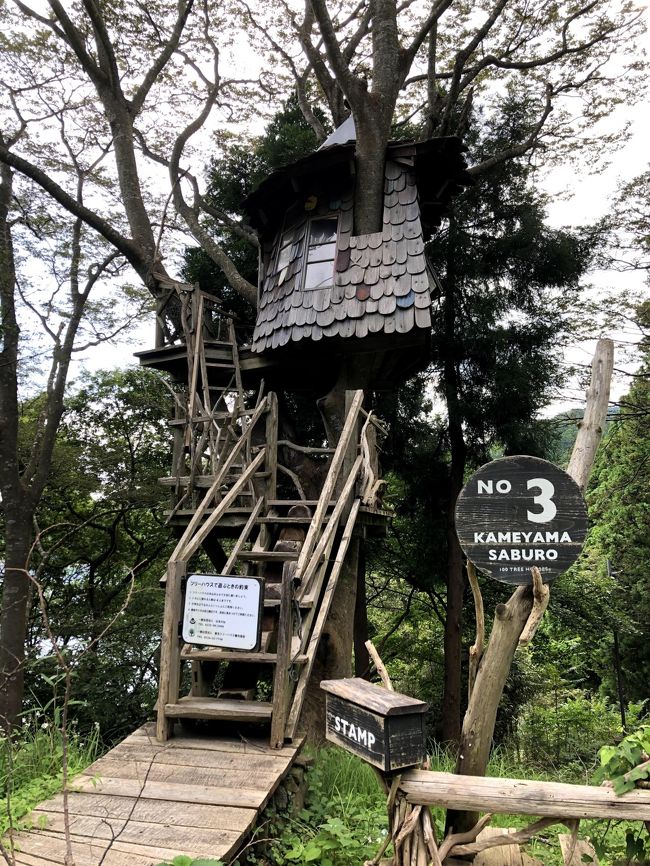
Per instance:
x=551, y=802
x=317, y=573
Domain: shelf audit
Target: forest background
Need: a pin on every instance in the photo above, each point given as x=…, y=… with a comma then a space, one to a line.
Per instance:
x=81, y=509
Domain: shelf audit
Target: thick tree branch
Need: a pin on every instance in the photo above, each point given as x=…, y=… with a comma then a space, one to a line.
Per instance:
x=74, y=39
x=163, y=58
x=124, y=245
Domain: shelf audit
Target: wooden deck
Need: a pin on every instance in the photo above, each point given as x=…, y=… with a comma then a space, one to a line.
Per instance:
x=145, y=802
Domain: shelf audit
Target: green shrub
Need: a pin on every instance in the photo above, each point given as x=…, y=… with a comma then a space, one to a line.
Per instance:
x=31, y=766
x=567, y=726
x=344, y=819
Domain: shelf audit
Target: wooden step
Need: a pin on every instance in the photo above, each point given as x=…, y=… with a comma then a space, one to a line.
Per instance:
x=304, y=604
x=268, y=555
x=219, y=655
x=289, y=502
x=288, y=521
x=216, y=708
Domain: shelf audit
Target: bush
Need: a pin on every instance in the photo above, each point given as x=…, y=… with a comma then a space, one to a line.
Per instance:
x=344, y=819
x=31, y=766
x=567, y=726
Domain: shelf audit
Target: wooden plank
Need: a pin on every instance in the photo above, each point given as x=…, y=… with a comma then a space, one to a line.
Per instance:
x=577, y=854
x=523, y=797
x=183, y=774
x=281, y=687
x=202, y=758
x=55, y=855
x=205, y=841
x=170, y=647
x=373, y=697
x=305, y=673
x=243, y=537
x=218, y=708
x=244, y=745
x=217, y=655
x=248, y=798
x=268, y=555
x=97, y=805
x=91, y=826
x=47, y=847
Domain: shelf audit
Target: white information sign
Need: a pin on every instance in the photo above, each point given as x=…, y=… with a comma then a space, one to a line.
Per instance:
x=223, y=611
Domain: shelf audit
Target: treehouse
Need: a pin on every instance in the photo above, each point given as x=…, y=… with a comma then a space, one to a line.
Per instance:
x=330, y=301
x=325, y=292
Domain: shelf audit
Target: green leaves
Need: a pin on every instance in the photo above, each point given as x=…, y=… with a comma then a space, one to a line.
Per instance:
x=627, y=763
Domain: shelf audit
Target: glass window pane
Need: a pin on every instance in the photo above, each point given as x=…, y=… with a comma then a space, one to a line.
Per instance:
x=322, y=253
x=322, y=231
x=319, y=274
x=284, y=257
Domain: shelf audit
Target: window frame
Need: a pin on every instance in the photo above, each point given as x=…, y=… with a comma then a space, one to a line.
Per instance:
x=330, y=217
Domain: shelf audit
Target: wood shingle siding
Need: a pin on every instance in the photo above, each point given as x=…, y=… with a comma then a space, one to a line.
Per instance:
x=380, y=281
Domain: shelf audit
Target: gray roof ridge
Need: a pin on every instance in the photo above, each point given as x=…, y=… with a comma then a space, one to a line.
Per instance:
x=346, y=133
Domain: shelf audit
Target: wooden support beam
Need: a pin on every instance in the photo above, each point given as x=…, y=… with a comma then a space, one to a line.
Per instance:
x=170, y=648
x=271, y=465
x=592, y=425
x=195, y=541
x=281, y=688
x=218, y=481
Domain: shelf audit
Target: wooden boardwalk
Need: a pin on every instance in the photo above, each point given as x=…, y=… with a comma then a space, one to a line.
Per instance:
x=145, y=802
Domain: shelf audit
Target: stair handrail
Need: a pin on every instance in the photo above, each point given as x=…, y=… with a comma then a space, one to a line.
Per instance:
x=323, y=612
x=329, y=487
x=218, y=480
x=330, y=530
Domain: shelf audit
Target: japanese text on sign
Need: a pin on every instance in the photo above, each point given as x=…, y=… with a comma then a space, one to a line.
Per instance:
x=222, y=611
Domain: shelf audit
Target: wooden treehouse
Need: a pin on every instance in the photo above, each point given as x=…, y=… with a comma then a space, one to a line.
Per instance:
x=326, y=298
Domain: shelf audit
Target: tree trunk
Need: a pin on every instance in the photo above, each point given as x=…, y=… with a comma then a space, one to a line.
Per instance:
x=370, y=161
x=450, y=722
x=13, y=616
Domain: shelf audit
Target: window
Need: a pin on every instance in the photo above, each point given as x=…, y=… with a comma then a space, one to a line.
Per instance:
x=321, y=253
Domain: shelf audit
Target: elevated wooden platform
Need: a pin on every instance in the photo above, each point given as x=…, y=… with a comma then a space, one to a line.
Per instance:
x=145, y=802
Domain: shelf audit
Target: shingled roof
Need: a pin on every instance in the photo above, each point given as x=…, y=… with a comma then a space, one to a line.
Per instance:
x=379, y=282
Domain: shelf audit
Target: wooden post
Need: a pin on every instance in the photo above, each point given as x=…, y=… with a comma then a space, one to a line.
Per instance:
x=592, y=425
x=170, y=656
x=271, y=466
x=283, y=660
x=510, y=619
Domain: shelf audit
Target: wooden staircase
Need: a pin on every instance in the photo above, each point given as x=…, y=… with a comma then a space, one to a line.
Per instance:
x=225, y=500
x=297, y=546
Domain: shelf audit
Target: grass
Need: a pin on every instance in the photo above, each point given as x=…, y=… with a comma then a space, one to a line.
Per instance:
x=343, y=786
x=30, y=767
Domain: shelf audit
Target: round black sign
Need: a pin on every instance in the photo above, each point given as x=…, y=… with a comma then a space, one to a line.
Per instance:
x=518, y=512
